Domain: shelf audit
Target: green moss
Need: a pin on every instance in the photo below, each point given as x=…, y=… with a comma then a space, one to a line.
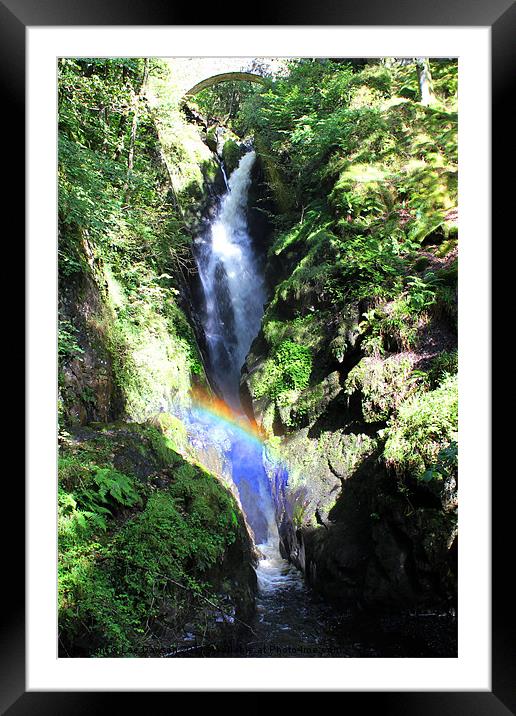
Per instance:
x=313, y=462
x=352, y=451
x=189, y=160
x=362, y=192
x=394, y=326
x=312, y=402
x=446, y=363
x=211, y=137
x=153, y=347
x=288, y=369
x=173, y=430
x=231, y=154
x=446, y=247
x=305, y=330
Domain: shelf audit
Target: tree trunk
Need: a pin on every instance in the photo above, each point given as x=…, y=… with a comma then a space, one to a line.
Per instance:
x=425, y=81
x=134, y=127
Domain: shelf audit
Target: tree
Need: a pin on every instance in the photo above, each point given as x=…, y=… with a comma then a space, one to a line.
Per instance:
x=138, y=98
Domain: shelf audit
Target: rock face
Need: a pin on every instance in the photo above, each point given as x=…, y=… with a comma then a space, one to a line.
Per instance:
x=88, y=389
x=363, y=535
x=116, y=365
x=360, y=542
x=232, y=152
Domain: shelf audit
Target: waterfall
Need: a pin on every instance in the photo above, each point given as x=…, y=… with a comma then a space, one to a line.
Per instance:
x=232, y=284
x=234, y=295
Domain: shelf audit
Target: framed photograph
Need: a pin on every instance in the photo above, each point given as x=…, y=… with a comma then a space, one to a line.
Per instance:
x=258, y=302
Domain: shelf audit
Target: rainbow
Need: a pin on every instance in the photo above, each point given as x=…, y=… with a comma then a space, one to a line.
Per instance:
x=216, y=408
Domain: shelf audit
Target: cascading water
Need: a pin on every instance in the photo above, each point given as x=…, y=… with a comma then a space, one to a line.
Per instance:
x=234, y=295
x=233, y=287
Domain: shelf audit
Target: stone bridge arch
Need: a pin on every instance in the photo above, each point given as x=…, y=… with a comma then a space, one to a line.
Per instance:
x=223, y=77
x=190, y=75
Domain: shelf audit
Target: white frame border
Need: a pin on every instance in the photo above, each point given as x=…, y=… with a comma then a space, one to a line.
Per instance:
x=471, y=670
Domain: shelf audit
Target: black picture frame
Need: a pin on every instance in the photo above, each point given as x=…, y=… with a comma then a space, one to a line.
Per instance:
x=500, y=16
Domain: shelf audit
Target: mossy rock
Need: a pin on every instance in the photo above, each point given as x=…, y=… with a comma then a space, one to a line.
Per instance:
x=313, y=402
x=232, y=152
x=173, y=430
x=447, y=246
x=348, y=332
x=382, y=385
x=135, y=516
x=211, y=138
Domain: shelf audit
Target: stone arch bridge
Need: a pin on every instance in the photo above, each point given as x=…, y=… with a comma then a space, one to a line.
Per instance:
x=193, y=74
x=223, y=77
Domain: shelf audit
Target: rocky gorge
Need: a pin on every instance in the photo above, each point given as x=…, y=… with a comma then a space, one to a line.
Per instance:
x=348, y=388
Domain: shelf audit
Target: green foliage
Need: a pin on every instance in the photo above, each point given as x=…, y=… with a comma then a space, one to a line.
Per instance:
x=288, y=369
x=153, y=347
x=94, y=494
x=388, y=170
x=425, y=423
x=68, y=346
x=365, y=180
x=395, y=325
x=443, y=365
x=172, y=435
x=120, y=223
x=445, y=80
x=446, y=464
x=391, y=328
x=421, y=292
x=97, y=103
x=334, y=270
x=295, y=363
x=223, y=101
x=323, y=108
x=108, y=486
x=299, y=512
x=117, y=577
x=382, y=384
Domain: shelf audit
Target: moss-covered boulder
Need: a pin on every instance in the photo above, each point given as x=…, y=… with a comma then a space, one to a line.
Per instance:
x=360, y=538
